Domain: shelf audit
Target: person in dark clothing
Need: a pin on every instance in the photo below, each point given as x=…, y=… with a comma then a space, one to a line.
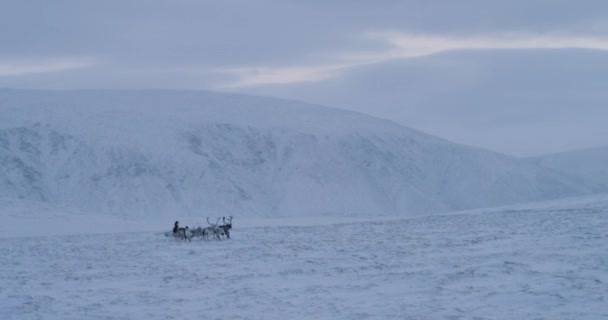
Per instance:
x=175, y=227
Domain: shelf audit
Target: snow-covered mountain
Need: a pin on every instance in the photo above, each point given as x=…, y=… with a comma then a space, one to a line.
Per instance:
x=136, y=153
x=591, y=164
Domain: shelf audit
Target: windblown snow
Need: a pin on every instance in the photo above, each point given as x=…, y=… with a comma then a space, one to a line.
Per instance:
x=538, y=261
x=163, y=153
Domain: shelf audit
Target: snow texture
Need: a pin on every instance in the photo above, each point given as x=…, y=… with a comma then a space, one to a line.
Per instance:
x=537, y=261
x=181, y=153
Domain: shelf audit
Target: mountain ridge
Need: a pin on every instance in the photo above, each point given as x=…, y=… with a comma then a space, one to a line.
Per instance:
x=151, y=152
x=589, y=163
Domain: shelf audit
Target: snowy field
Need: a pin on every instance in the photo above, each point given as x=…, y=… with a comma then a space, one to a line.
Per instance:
x=526, y=262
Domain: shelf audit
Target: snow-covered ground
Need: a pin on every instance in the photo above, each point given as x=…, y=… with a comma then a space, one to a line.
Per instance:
x=542, y=261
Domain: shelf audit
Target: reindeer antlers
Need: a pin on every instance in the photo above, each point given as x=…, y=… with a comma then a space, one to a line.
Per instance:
x=211, y=224
x=218, y=220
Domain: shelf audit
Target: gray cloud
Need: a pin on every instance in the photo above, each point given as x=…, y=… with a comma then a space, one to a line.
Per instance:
x=214, y=34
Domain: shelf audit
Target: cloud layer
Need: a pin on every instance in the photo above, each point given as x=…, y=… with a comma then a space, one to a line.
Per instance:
x=240, y=43
x=520, y=101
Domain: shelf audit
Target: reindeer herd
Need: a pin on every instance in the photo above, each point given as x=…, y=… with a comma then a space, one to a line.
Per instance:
x=213, y=231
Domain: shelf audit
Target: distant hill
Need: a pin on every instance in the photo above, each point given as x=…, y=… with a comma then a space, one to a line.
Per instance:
x=591, y=164
x=138, y=153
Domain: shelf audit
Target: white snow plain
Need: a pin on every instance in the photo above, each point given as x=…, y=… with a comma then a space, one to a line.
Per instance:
x=537, y=261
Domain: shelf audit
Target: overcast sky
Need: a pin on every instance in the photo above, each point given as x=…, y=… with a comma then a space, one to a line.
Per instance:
x=520, y=77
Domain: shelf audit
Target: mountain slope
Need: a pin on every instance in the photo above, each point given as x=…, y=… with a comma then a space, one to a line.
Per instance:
x=588, y=163
x=137, y=153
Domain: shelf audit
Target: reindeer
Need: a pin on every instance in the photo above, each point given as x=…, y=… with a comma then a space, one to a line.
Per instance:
x=227, y=226
x=198, y=232
x=184, y=233
x=213, y=230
